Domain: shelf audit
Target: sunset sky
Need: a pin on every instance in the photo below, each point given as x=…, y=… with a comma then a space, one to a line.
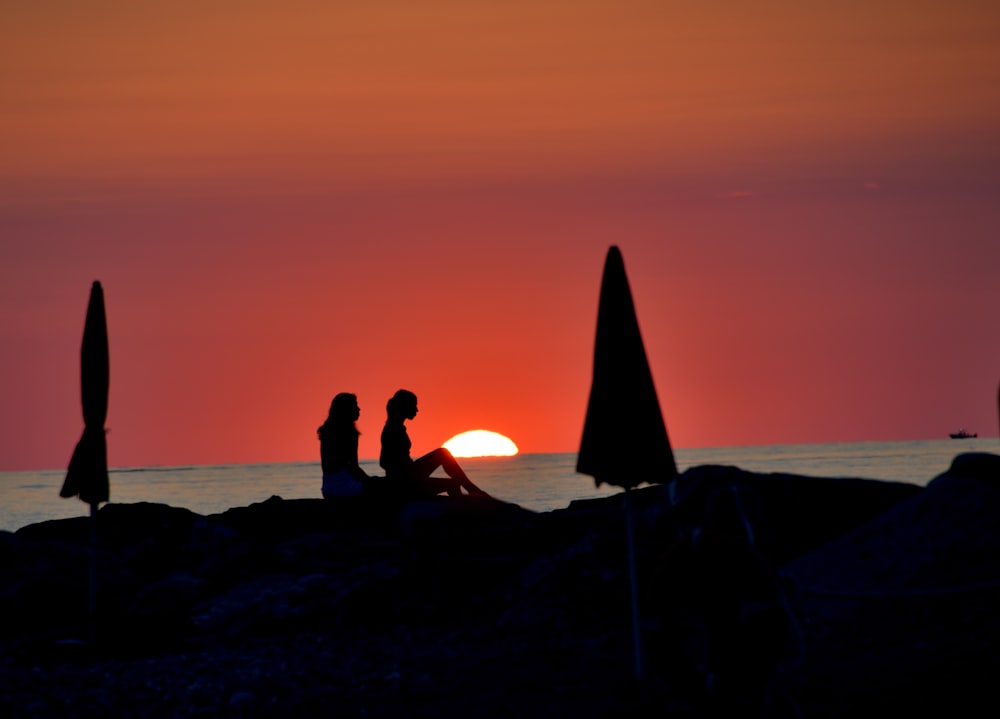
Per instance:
x=288, y=200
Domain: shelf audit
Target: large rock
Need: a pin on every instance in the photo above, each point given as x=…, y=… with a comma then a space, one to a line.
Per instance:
x=377, y=608
x=902, y=611
x=792, y=514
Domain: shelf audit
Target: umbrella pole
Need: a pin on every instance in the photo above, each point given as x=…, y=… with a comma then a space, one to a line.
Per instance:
x=92, y=578
x=633, y=586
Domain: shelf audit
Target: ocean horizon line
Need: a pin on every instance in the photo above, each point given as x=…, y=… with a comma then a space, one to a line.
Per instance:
x=539, y=481
x=194, y=466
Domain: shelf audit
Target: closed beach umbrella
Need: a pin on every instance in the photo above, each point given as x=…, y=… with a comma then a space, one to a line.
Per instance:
x=87, y=476
x=624, y=437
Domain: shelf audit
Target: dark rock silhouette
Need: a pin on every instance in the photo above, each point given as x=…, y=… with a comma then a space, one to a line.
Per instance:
x=903, y=609
x=469, y=606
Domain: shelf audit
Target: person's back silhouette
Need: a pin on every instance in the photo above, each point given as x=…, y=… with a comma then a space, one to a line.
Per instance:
x=338, y=447
x=416, y=474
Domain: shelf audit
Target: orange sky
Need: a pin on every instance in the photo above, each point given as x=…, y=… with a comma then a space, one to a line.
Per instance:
x=288, y=200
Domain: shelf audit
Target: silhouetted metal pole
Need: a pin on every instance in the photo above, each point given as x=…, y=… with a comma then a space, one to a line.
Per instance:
x=633, y=584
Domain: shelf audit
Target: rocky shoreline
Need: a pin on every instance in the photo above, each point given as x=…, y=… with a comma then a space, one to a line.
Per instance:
x=760, y=595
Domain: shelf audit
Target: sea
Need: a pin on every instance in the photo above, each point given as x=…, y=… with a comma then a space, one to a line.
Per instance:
x=540, y=482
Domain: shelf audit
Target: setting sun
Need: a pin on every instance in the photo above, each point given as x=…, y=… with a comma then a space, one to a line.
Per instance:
x=481, y=443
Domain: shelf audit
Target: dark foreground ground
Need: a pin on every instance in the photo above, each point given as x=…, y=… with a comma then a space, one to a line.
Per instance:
x=760, y=595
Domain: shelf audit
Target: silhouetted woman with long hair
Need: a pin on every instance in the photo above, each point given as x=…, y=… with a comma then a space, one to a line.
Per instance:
x=415, y=474
x=338, y=448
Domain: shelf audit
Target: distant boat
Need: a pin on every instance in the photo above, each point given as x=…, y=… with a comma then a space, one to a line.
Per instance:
x=962, y=434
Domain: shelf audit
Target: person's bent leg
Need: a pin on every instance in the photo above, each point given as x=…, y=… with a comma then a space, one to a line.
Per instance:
x=452, y=469
x=436, y=485
x=422, y=470
x=441, y=457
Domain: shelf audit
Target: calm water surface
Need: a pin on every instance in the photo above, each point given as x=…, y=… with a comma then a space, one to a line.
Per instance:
x=540, y=482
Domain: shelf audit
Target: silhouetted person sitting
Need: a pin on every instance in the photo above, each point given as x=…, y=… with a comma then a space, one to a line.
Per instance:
x=415, y=474
x=338, y=448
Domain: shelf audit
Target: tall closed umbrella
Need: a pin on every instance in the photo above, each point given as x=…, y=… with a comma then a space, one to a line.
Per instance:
x=87, y=476
x=624, y=439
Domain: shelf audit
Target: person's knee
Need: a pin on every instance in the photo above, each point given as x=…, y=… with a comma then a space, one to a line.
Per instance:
x=441, y=456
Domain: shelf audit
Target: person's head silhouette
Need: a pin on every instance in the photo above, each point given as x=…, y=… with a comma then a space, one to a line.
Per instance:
x=344, y=410
x=402, y=405
x=344, y=407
